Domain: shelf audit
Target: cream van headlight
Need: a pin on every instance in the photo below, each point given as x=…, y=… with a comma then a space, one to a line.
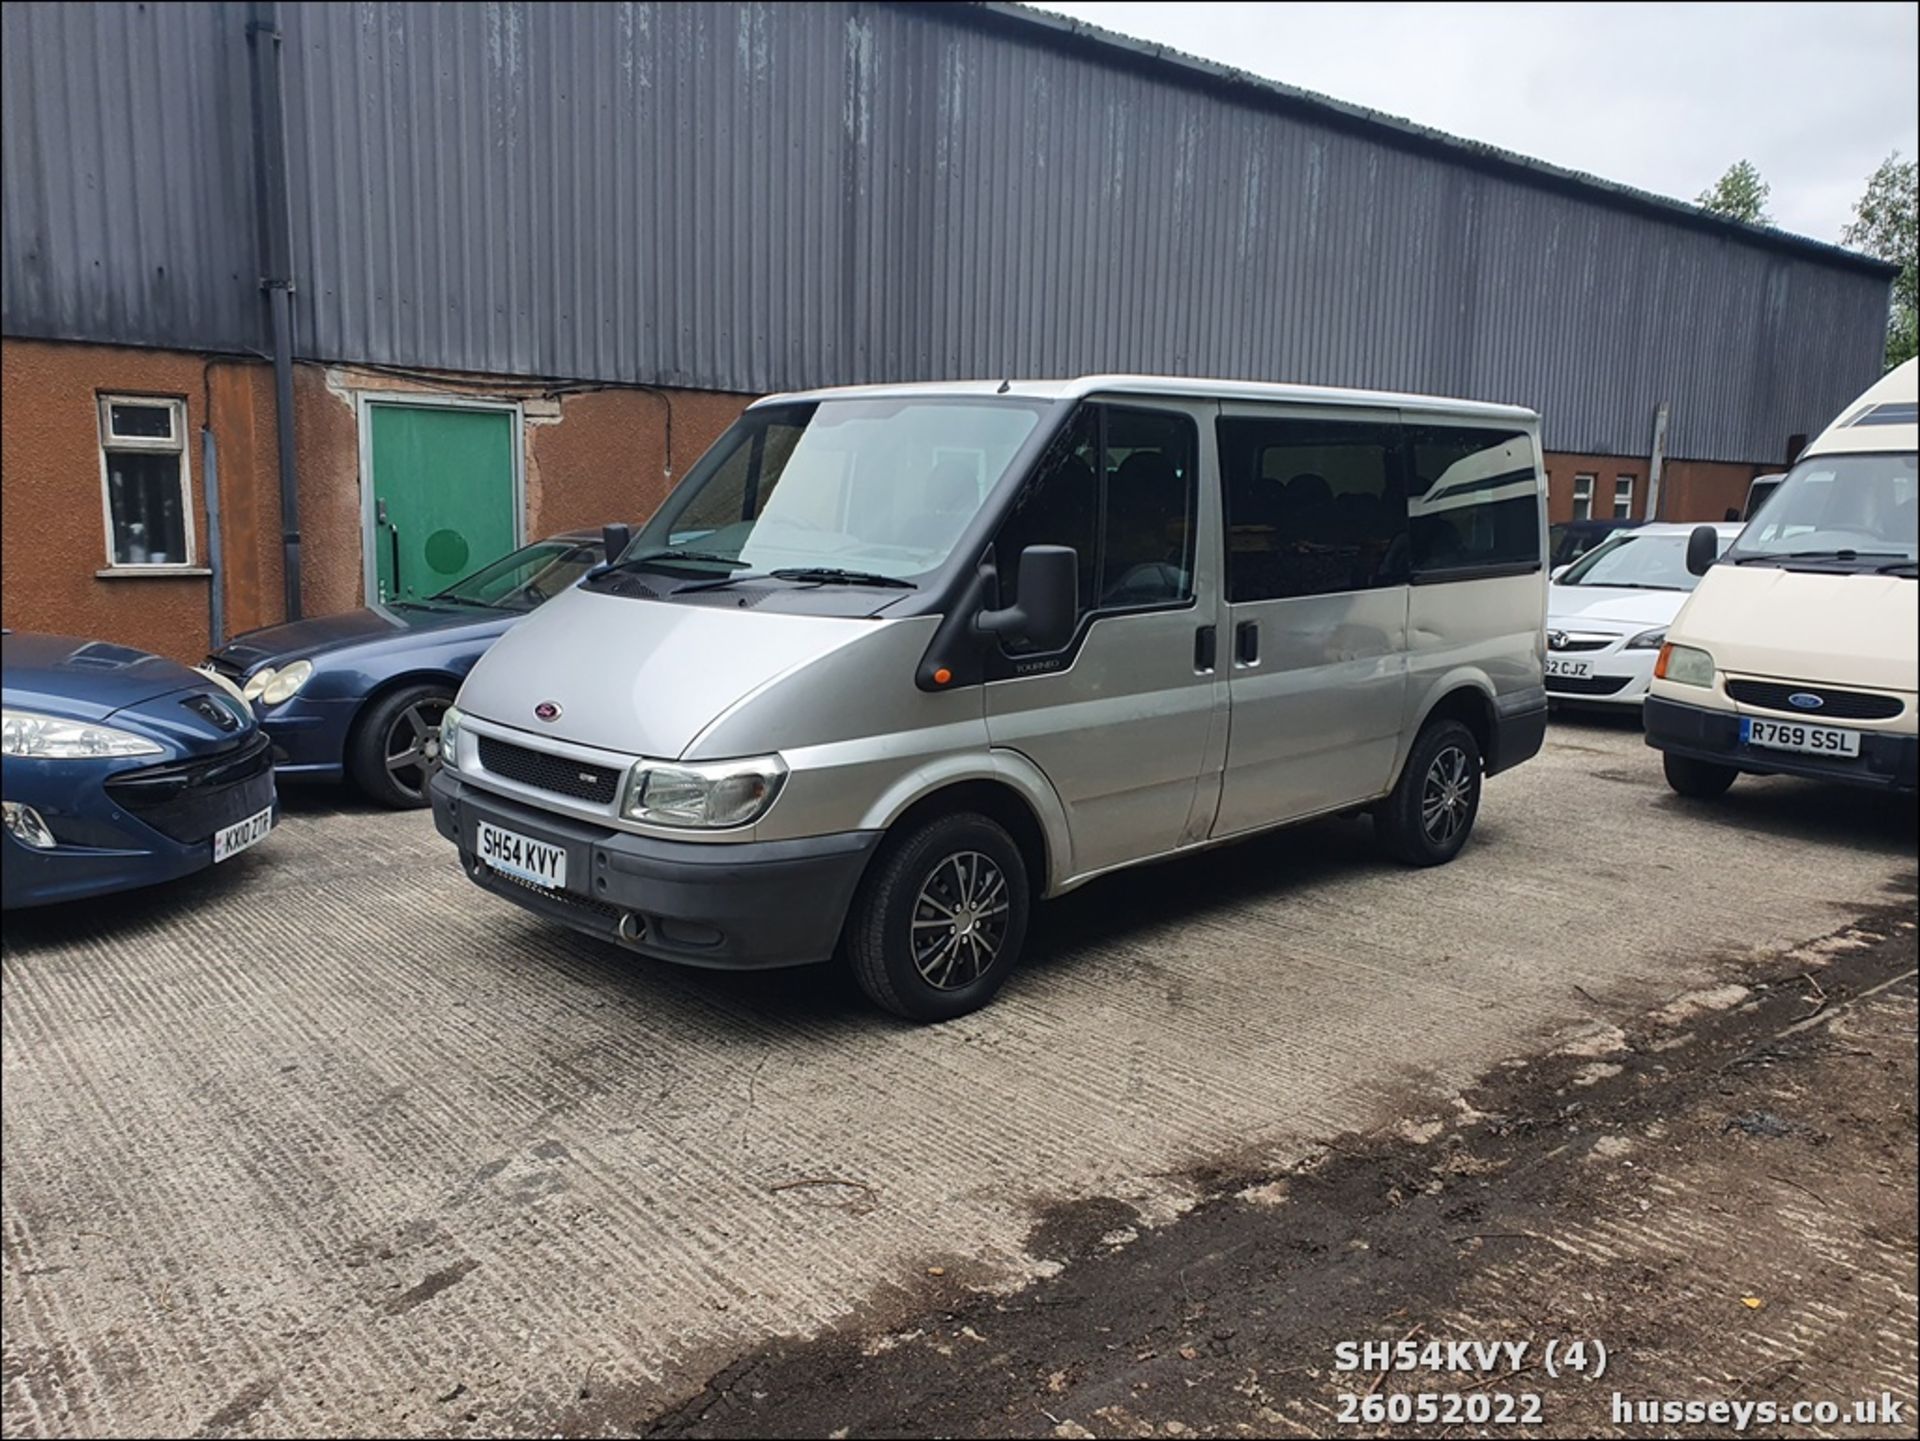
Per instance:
x=1684, y=665
x=705, y=795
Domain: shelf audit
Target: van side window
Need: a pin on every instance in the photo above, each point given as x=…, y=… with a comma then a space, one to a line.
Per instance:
x=1314, y=507
x=1473, y=498
x=1120, y=487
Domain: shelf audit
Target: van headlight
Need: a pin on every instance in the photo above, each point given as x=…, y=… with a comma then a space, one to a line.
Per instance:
x=271, y=685
x=1648, y=639
x=30, y=735
x=450, y=723
x=1684, y=665
x=706, y=795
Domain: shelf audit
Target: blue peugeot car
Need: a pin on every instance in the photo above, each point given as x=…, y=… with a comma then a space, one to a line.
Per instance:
x=359, y=696
x=121, y=769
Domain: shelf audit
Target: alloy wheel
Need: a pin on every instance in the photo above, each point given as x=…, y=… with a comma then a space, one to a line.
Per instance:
x=959, y=920
x=1445, y=796
x=412, y=749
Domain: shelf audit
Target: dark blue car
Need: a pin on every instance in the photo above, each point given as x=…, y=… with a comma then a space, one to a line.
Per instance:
x=121, y=769
x=359, y=695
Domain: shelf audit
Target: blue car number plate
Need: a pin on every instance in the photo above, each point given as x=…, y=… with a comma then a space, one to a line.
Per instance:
x=521, y=856
x=235, y=838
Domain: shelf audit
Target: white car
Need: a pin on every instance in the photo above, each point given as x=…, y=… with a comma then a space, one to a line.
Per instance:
x=1608, y=613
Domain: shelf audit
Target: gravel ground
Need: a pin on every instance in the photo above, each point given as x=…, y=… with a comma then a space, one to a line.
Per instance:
x=331, y=1141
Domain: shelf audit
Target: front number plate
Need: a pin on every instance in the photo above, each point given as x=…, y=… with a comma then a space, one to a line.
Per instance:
x=1573, y=669
x=237, y=837
x=517, y=855
x=1794, y=736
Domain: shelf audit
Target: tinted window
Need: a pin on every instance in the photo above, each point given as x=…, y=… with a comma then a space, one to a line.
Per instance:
x=528, y=577
x=1119, y=487
x=1474, y=499
x=1314, y=507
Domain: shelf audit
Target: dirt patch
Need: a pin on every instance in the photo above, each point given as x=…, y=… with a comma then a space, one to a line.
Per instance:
x=1728, y=1211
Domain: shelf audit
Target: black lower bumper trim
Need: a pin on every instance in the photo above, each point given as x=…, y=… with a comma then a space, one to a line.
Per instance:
x=1885, y=762
x=746, y=906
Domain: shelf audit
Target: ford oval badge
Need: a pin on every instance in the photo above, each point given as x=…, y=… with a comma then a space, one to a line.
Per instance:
x=1805, y=700
x=548, y=710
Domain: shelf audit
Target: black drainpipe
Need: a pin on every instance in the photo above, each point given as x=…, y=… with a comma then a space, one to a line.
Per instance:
x=276, y=270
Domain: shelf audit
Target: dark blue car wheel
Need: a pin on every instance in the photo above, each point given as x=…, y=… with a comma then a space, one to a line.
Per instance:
x=396, y=747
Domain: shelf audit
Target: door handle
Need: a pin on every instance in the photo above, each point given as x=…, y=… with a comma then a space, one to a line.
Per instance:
x=393, y=539
x=1246, y=642
x=1205, y=648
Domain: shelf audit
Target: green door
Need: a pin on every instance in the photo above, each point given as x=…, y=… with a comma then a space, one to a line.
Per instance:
x=443, y=502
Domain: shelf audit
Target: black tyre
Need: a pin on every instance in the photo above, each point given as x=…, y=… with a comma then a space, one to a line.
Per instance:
x=1429, y=815
x=395, y=748
x=1698, y=780
x=940, y=918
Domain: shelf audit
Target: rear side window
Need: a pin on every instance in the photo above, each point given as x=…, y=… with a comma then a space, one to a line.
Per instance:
x=1473, y=499
x=1120, y=487
x=1314, y=507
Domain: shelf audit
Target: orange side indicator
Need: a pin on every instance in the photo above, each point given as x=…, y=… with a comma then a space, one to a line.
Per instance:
x=942, y=676
x=1660, y=664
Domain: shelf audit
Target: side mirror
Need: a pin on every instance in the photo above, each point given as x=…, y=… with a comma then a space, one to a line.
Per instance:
x=1703, y=549
x=1559, y=570
x=615, y=539
x=1048, y=603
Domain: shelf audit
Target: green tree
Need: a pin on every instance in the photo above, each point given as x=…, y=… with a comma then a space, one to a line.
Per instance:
x=1740, y=194
x=1885, y=221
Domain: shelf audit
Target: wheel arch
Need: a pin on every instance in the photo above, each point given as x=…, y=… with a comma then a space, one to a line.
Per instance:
x=386, y=688
x=1465, y=696
x=1008, y=788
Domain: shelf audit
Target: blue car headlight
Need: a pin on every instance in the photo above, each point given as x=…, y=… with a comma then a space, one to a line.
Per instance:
x=30, y=735
x=271, y=685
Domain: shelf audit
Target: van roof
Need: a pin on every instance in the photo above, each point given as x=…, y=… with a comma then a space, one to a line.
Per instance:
x=1190, y=386
x=1885, y=417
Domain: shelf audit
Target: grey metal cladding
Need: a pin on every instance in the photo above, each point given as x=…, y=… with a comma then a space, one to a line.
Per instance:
x=128, y=187
x=753, y=197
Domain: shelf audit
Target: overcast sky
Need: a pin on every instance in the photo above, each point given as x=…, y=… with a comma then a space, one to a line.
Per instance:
x=1662, y=97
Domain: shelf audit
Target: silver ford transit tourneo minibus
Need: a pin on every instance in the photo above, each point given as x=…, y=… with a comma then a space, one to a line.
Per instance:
x=894, y=662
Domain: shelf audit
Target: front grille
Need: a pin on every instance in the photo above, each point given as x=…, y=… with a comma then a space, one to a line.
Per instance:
x=1580, y=643
x=220, y=664
x=1834, y=704
x=1587, y=685
x=544, y=771
x=189, y=801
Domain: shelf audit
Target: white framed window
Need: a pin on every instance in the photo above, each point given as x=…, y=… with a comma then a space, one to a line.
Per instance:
x=146, y=494
x=1583, y=497
x=1623, y=497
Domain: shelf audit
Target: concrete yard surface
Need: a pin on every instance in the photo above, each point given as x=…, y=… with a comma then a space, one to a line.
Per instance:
x=329, y=1140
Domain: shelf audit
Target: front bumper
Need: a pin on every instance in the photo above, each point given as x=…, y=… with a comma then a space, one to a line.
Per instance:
x=309, y=736
x=1885, y=762
x=137, y=826
x=1618, y=676
x=746, y=906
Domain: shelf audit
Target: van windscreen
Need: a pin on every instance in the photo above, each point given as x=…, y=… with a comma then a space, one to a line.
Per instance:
x=1852, y=511
x=877, y=488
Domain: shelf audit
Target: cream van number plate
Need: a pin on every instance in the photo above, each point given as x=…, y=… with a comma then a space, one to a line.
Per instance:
x=1793, y=736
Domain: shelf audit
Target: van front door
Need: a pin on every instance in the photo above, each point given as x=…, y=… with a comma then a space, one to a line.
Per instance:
x=1316, y=618
x=1128, y=720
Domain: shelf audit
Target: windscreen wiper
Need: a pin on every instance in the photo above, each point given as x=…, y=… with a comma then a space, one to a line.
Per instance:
x=833, y=575
x=1897, y=565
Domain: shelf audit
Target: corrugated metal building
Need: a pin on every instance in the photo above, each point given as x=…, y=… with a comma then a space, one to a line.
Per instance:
x=731, y=199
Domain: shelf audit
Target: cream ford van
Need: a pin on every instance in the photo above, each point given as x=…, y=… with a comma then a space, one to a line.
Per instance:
x=1795, y=655
x=893, y=663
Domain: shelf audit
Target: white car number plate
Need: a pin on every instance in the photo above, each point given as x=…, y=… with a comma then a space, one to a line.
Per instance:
x=237, y=837
x=1575, y=669
x=1794, y=736
x=517, y=855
